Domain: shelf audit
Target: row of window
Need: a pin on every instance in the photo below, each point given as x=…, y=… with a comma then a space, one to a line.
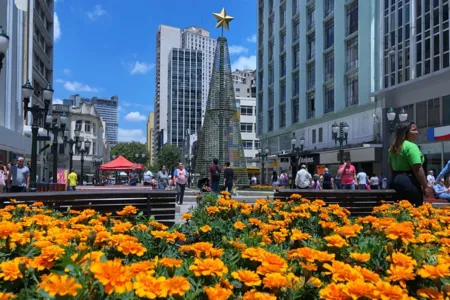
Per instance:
x=251, y=144
x=428, y=113
x=87, y=126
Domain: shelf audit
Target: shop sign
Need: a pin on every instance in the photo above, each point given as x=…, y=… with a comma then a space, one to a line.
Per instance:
x=306, y=160
x=438, y=133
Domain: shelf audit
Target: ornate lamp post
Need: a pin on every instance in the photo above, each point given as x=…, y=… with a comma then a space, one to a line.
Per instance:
x=295, y=154
x=97, y=162
x=55, y=129
x=4, y=45
x=402, y=116
x=38, y=114
x=262, y=158
x=188, y=159
x=83, y=151
x=340, y=136
x=71, y=143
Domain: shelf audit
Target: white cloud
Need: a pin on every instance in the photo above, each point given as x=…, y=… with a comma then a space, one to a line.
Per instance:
x=56, y=27
x=141, y=68
x=252, y=39
x=96, y=13
x=67, y=72
x=233, y=49
x=135, y=116
x=57, y=101
x=132, y=135
x=244, y=62
x=75, y=86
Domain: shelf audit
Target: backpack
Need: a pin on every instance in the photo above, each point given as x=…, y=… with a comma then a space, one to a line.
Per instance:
x=215, y=174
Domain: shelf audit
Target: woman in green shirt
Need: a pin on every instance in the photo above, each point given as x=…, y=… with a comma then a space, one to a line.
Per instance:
x=405, y=162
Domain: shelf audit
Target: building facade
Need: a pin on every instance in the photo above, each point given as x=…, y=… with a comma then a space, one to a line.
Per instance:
x=107, y=110
x=150, y=141
x=184, y=94
x=306, y=81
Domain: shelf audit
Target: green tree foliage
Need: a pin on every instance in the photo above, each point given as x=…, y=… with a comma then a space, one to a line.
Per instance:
x=129, y=150
x=170, y=156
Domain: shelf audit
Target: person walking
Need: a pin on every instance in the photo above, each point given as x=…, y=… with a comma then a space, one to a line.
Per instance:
x=275, y=182
x=3, y=177
x=73, y=179
x=303, y=178
x=163, y=178
x=362, y=179
x=405, y=161
x=347, y=172
x=284, y=178
x=19, y=175
x=374, y=182
x=315, y=185
x=327, y=183
x=148, y=175
x=214, y=175
x=180, y=175
x=228, y=177
x=442, y=191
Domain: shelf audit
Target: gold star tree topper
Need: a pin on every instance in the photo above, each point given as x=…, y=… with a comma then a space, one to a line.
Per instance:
x=223, y=19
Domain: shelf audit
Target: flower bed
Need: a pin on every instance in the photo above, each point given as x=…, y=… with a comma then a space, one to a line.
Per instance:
x=227, y=250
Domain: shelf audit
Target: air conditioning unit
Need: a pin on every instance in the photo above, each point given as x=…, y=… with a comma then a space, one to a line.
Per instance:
x=282, y=152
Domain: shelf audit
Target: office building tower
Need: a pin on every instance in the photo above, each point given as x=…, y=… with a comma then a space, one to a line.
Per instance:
x=185, y=94
x=107, y=109
x=306, y=82
x=150, y=139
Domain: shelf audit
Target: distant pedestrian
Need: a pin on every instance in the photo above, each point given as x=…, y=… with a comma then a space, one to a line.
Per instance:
x=19, y=175
x=163, y=178
x=303, y=178
x=148, y=175
x=3, y=177
x=374, y=182
x=73, y=179
x=228, y=177
x=430, y=178
x=214, y=175
x=347, y=172
x=133, y=180
x=315, y=185
x=180, y=175
x=284, y=178
x=362, y=180
x=275, y=181
x=327, y=183
x=29, y=165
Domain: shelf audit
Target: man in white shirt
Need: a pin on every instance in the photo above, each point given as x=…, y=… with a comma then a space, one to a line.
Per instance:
x=303, y=178
x=430, y=178
x=362, y=180
x=148, y=175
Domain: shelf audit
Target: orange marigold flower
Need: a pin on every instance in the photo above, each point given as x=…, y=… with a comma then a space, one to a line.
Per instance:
x=400, y=273
x=359, y=289
x=212, y=210
x=141, y=267
x=334, y=291
x=335, y=241
x=128, y=210
x=361, y=257
x=314, y=281
x=401, y=259
x=275, y=281
x=47, y=257
x=131, y=247
x=217, y=292
x=430, y=293
x=367, y=274
x=186, y=216
x=249, y=278
x=147, y=286
x=272, y=263
x=6, y=296
x=434, y=272
x=239, y=225
x=255, y=254
x=403, y=231
x=122, y=227
x=177, y=285
x=386, y=291
x=170, y=262
x=113, y=276
x=7, y=228
x=208, y=267
x=298, y=235
x=158, y=225
x=62, y=285
x=341, y=271
x=255, y=295
x=9, y=270
x=205, y=228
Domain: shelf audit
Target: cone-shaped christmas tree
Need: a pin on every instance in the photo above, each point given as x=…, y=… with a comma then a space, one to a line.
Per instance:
x=221, y=132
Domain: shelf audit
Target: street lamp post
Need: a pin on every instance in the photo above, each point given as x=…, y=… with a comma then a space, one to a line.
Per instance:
x=295, y=154
x=402, y=116
x=340, y=136
x=262, y=158
x=71, y=143
x=4, y=45
x=188, y=159
x=82, y=151
x=55, y=130
x=37, y=113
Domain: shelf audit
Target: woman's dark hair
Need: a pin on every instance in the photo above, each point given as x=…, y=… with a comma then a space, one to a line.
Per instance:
x=227, y=164
x=400, y=136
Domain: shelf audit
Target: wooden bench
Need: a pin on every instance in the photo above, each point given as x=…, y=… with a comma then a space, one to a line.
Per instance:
x=159, y=204
x=358, y=202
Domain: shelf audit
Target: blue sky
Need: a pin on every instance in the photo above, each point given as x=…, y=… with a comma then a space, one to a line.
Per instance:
x=107, y=47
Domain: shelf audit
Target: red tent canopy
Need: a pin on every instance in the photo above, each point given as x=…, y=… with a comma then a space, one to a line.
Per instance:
x=120, y=164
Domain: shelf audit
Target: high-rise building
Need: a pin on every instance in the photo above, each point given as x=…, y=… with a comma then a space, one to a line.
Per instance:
x=306, y=82
x=150, y=140
x=167, y=38
x=185, y=94
x=195, y=38
x=244, y=82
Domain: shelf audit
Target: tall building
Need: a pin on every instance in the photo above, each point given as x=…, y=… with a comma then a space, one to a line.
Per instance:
x=195, y=38
x=150, y=140
x=167, y=38
x=306, y=82
x=185, y=94
x=12, y=142
x=413, y=73
x=244, y=82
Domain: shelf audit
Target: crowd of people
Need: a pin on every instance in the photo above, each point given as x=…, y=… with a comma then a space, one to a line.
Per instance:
x=15, y=176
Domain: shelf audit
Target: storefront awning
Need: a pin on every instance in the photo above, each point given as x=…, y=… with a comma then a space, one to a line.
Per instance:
x=253, y=170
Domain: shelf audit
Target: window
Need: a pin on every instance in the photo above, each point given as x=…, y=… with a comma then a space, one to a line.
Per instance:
x=257, y=144
x=310, y=18
x=78, y=125
x=94, y=147
x=329, y=99
x=311, y=47
x=446, y=110
x=329, y=34
x=352, y=90
x=311, y=75
x=283, y=93
x=296, y=85
x=87, y=126
x=270, y=51
x=434, y=112
x=282, y=16
x=246, y=110
x=260, y=102
x=295, y=32
x=311, y=105
x=282, y=115
x=329, y=7
x=247, y=127
x=295, y=7
x=421, y=114
x=283, y=65
x=352, y=54
x=329, y=66
x=94, y=129
x=271, y=97
x=313, y=136
x=282, y=42
x=238, y=89
x=270, y=120
x=296, y=110
x=271, y=75
x=296, y=60
x=247, y=144
x=320, y=134
x=352, y=18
